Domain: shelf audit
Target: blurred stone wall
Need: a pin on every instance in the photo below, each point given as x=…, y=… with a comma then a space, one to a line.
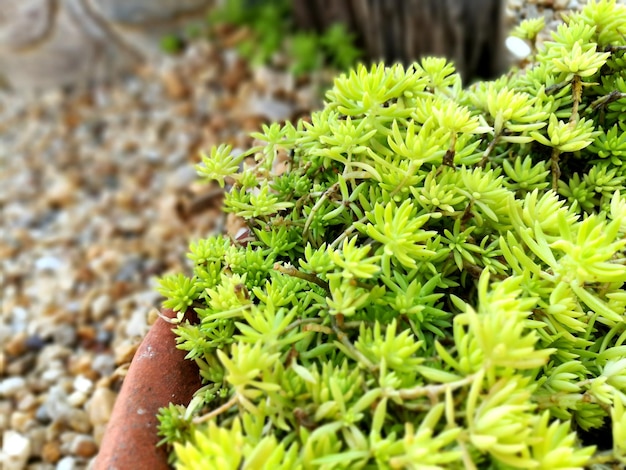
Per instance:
x=60, y=42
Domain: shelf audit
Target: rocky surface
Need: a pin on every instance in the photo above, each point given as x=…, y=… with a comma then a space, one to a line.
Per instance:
x=60, y=42
x=98, y=196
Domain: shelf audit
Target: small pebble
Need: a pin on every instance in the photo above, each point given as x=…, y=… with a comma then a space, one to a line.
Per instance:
x=67, y=463
x=82, y=384
x=518, y=47
x=22, y=421
x=34, y=343
x=81, y=367
x=78, y=420
x=15, y=450
x=125, y=351
x=48, y=263
x=101, y=306
x=65, y=335
x=137, y=325
x=27, y=402
x=5, y=413
x=104, y=338
x=38, y=438
x=56, y=404
x=12, y=385
x=42, y=415
x=17, y=344
x=100, y=406
x=19, y=319
x=61, y=193
x=76, y=399
x=51, y=452
x=103, y=364
x=270, y=108
x=83, y=446
x=174, y=85
x=183, y=177
x=52, y=375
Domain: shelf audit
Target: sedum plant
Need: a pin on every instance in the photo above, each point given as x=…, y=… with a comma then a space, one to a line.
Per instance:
x=433, y=275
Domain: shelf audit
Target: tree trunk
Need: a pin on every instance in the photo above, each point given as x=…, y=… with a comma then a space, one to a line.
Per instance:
x=471, y=33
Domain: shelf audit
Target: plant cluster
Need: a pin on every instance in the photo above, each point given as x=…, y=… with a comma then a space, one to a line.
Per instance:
x=265, y=29
x=437, y=280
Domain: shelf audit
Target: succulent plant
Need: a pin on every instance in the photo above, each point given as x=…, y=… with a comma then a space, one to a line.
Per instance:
x=434, y=278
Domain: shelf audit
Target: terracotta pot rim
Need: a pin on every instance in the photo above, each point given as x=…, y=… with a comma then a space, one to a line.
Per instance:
x=158, y=375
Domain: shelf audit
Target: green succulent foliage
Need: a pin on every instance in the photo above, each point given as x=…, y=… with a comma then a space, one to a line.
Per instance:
x=530, y=28
x=435, y=281
x=179, y=290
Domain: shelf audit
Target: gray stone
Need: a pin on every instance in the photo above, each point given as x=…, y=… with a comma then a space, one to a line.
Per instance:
x=270, y=108
x=42, y=415
x=66, y=56
x=64, y=335
x=47, y=44
x=145, y=11
x=23, y=23
x=56, y=404
x=103, y=364
x=182, y=177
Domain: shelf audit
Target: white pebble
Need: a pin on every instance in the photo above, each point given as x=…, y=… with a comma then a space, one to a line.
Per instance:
x=77, y=399
x=66, y=463
x=20, y=319
x=12, y=385
x=82, y=384
x=48, y=263
x=15, y=451
x=518, y=47
x=52, y=375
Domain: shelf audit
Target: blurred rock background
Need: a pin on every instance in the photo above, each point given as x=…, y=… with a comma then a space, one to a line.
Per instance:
x=45, y=43
x=98, y=194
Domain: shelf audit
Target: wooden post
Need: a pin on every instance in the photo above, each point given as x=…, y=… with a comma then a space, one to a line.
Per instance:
x=471, y=33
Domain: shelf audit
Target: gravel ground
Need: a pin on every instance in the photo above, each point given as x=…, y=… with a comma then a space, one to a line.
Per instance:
x=98, y=195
